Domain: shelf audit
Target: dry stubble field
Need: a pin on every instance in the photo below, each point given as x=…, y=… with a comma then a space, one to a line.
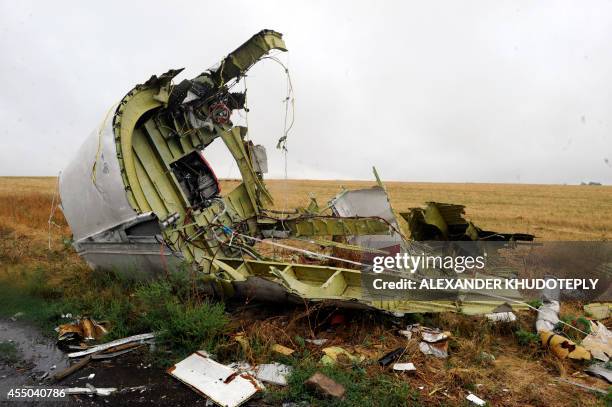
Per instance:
x=551, y=212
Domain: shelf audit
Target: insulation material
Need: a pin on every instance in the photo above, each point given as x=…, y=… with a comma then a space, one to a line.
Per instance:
x=548, y=316
x=84, y=328
x=222, y=384
x=599, y=342
x=336, y=354
x=275, y=373
x=563, y=347
x=438, y=349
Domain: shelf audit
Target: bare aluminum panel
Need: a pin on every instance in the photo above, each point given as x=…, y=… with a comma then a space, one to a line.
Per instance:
x=222, y=384
x=92, y=207
x=369, y=202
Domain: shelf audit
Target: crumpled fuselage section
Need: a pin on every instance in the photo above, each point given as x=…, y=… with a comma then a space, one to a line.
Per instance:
x=153, y=202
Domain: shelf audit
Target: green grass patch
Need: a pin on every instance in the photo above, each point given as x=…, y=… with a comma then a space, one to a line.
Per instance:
x=183, y=321
x=526, y=338
x=184, y=324
x=361, y=388
x=8, y=352
x=42, y=312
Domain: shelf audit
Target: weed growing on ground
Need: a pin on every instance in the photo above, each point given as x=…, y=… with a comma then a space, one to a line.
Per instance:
x=8, y=352
x=526, y=338
x=186, y=326
x=361, y=389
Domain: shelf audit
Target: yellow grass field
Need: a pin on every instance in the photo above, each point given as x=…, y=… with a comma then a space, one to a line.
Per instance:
x=551, y=212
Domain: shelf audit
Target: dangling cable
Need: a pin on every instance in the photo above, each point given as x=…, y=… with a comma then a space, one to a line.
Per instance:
x=54, y=206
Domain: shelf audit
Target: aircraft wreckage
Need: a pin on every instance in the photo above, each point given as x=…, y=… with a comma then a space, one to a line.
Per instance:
x=141, y=198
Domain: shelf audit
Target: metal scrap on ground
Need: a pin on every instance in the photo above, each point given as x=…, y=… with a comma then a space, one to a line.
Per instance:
x=225, y=386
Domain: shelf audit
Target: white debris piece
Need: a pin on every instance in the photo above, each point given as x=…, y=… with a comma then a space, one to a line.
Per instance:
x=406, y=333
x=434, y=335
x=275, y=373
x=403, y=367
x=439, y=350
x=112, y=344
x=548, y=316
x=476, y=400
x=599, y=342
x=501, y=317
x=100, y=391
x=317, y=342
x=225, y=386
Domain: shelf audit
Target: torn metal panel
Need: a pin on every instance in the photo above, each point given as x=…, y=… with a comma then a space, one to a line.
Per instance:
x=372, y=202
x=222, y=384
x=443, y=221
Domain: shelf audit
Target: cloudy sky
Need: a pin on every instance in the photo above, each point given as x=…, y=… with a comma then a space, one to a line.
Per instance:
x=470, y=91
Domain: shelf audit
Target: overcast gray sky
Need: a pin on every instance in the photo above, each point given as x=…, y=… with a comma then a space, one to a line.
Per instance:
x=476, y=91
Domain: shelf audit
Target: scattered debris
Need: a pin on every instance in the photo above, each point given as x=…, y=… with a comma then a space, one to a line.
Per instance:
x=140, y=389
x=437, y=349
x=117, y=351
x=224, y=385
x=582, y=386
x=433, y=335
x=392, y=356
x=71, y=369
x=600, y=370
x=444, y=221
x=275, y=373
x=501, y=317
x=317, y=342
x=367, y=353
x=16, y=316
x=82, y=329
x=598, y=310
x=336, y=354
x=563, y=347
x=283, y=350
x=403, y=367
x=599, y=342
x=476, y=400
x=89, y=389
x=406, y=333
x=487, y=356
x=142, y=338
x=325, y=386
x=242, y=341
x=548, y=316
